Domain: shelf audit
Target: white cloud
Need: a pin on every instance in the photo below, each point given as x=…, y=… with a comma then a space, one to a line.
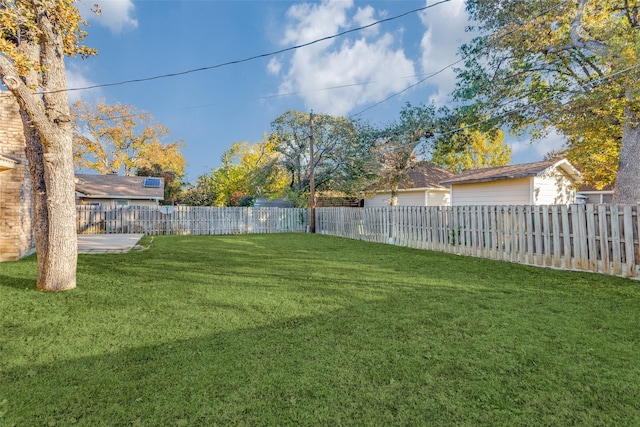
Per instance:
x=445, y=25
x=314, y=21
x=366, y=69
x=365, y=16
x=274, y=66
x=525, y=151
x=117, y=15
x=76, y=78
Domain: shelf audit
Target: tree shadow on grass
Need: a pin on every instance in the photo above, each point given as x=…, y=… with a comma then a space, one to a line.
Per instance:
x=379, y=362
x=21, y=283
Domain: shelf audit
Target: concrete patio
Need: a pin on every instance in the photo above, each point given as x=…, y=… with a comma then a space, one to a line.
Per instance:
x=107, y=243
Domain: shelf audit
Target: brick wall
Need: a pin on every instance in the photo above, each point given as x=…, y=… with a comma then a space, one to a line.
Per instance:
x=16, y=209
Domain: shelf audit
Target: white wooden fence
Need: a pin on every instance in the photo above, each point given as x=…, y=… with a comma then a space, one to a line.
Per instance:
x=598, y=238
x=189, y=220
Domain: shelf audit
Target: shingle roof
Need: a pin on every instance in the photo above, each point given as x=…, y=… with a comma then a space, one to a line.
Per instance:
x=524, y=170
x=426, y=175
x=608, y=187
x=115, y=186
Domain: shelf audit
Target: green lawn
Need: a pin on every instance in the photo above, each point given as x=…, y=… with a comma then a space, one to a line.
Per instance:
x=313, y=330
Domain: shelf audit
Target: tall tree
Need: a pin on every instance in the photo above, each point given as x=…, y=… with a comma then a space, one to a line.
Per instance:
x=249, y=170
x=122, y=139
x=35, y=36
x=200, y=193
x=472, y=149
x=395, y=147
x=339, y=152
x=566, y=64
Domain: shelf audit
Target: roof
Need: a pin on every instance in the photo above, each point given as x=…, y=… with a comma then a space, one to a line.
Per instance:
x=7, y=163
x=426, y=175
x=592, y=189
x=524, y=170
x=117, y=187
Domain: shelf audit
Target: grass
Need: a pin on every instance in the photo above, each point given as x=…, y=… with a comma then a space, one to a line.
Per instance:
x=315, y=330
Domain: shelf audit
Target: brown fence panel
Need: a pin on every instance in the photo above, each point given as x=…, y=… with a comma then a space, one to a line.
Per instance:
x=597, y=238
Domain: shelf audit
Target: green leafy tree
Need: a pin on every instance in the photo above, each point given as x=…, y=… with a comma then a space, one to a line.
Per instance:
x=35, y=37
x=340, y=153
x=201, y=193
x=571, y=65
x=472, y=149
x=248, y=171
x=395, y=147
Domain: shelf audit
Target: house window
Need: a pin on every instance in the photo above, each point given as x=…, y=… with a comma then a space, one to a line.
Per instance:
x=122, y=203
x=94, y=204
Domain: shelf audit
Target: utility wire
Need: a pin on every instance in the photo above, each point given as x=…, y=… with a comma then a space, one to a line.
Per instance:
x=592, y=83
x=251, y=58
x=475, y=51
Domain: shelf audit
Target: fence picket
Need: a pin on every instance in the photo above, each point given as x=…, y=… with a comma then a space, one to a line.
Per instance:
x=629, y=252
x=546, y=241
x=601, y=238
x=555, y=225
x=615, y=240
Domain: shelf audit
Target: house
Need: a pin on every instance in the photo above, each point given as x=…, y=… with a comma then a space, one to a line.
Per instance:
x=421, y=188
x=115, y=190
x=550, y=182
x=589, y=194
x=16, y=205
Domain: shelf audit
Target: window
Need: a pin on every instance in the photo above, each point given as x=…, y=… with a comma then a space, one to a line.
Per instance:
x=122, y=203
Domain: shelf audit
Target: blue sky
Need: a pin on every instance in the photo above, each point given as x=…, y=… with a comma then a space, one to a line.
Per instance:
x=214, y=108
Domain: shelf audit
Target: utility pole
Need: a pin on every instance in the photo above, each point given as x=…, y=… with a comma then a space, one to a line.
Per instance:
x=312, y=184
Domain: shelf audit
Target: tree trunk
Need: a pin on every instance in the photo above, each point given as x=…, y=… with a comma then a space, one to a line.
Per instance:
x=60, y=261
x=394, y=197
x=48, y=132
x=33, y=152
x=627, y=187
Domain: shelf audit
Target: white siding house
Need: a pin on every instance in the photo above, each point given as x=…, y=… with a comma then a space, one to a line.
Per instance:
x=411, y=197
x=541, y=183
x=590, y=194
x=421, y=188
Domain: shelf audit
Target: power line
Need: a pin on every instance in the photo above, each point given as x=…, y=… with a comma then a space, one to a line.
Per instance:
x=282, y=95
x=461, y=59
x=593, y=83
x=251, y=58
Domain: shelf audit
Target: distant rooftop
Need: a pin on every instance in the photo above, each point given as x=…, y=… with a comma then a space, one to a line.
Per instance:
x=426, y=175
x=524, y=170
x=116, y=186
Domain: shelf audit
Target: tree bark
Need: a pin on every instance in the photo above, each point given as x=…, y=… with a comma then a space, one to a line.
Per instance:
x=60, y=261
x=34, y=153
x=394, y=197
x=627, y=187
x=48, y=133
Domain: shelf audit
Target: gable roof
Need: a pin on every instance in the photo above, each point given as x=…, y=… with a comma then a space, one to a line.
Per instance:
x=524, y=170
x=426, y=175
x=117, y=187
